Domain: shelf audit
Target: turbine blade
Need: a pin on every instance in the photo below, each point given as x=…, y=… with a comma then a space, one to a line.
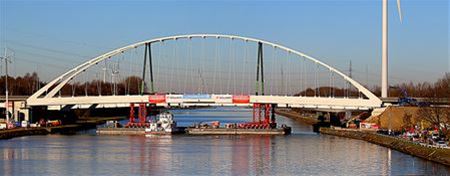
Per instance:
x=399, y=9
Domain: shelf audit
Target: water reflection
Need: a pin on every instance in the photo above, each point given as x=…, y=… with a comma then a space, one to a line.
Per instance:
x=302, y=153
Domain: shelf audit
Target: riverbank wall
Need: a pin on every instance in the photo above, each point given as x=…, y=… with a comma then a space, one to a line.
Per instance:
x=81, y=124
x=439, y=155
x=63, y=129
x=294, y=115
x=12, y=133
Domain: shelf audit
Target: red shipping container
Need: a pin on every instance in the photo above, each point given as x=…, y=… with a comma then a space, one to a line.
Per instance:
x=157, y=98
x=241, y=99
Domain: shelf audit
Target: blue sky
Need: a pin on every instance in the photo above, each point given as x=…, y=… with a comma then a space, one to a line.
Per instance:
x=63, y=34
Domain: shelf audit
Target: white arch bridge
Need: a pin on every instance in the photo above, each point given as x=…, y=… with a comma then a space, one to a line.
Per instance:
x=221, y=73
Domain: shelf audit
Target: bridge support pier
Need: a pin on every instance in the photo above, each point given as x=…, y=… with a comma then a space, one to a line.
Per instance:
x=142, y=116
x=263, y=116
x=131, y=114
x=142, y=112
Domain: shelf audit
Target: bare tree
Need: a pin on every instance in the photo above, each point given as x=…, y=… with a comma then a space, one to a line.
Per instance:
x=435, y=114
x=407, y=121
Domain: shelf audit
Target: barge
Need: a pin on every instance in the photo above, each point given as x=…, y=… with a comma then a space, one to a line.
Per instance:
x=120, y=131
x=238, y=129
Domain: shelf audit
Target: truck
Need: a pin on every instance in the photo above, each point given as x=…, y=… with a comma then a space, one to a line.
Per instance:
x=53, y=123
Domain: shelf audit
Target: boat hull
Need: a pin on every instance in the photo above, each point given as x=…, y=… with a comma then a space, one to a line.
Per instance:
x=238, y=131
x=120, y=131
x=177, y=130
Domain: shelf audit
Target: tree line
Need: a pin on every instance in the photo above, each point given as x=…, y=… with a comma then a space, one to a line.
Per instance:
x=30, y=83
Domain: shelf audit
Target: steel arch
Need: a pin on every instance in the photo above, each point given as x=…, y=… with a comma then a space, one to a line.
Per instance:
x=58, y=83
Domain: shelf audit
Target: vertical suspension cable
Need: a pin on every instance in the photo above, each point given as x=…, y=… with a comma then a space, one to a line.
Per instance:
x=98, y=82
x=234, y=68
x=330, y=75
x=160, y=60
x=346, y=89
x=305, y=84
x=288, y=72
x=283, y=81
x=126, y=76
x=130, y=72
x=203, y=59
x=315, y=81
x=73, y=88
x=229, y=68
x=333, y=94
x=283, y=87
x=191, y=68
x=85, y=83
x=186, y=68
x=123, y=81
x=222, y=71
x=273, y=86
x=100, y=87
x=318, y=80
x=112, y=78
x=166, y=58
x=301, y=76
x=215, y=65
x=243, y=67
x=174, y=69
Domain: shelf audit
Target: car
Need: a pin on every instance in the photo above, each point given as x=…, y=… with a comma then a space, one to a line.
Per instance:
x=441, y=144
x=435, y=136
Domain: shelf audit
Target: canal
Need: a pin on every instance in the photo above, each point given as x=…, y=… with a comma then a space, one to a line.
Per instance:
x=302, y=153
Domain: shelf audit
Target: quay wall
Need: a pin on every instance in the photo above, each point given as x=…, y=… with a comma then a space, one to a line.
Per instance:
x=296, y=116
x=63, y=129
x=8, y=134
x=439, y=155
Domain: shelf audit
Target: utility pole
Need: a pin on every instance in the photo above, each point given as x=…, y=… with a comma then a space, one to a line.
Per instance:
x=7, y=59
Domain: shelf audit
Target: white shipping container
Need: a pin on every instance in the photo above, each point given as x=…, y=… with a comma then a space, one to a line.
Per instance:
x=3, y=126
x=24, y=124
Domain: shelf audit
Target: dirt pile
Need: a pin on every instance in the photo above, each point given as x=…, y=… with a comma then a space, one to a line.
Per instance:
x=397, y=118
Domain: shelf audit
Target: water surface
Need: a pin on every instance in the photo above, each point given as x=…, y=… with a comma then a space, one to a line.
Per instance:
x=302, y=153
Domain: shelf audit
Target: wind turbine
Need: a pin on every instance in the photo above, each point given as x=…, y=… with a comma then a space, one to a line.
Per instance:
x=384, y=46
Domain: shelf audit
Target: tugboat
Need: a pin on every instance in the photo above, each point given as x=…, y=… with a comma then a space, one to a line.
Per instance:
x=163, y=123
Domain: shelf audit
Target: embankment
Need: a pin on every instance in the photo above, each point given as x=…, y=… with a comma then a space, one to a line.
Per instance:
x=81, y=124
x=438, y=155
x=63, y=129
x=8, y=134
x=294, y=115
